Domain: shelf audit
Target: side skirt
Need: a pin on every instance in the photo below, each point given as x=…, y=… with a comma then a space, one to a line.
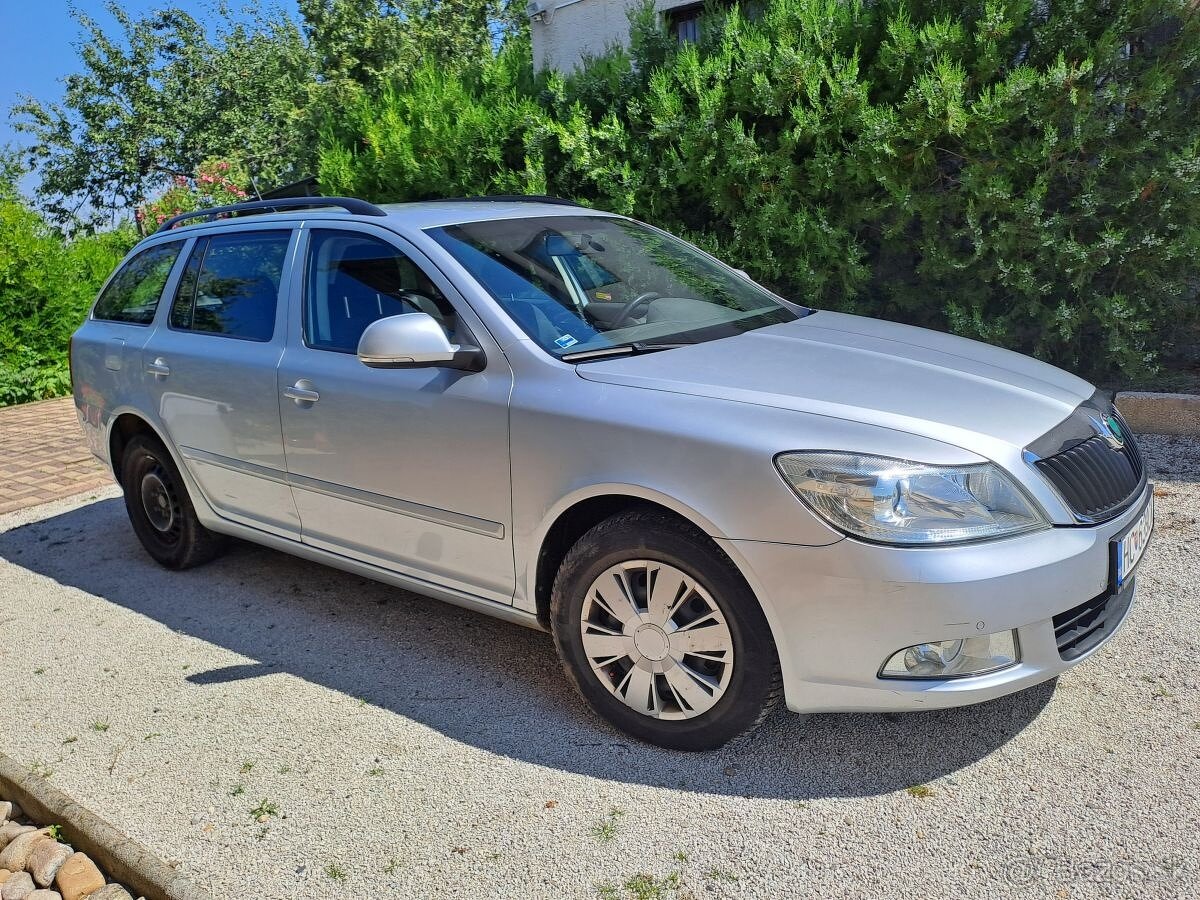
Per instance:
x=375, y=573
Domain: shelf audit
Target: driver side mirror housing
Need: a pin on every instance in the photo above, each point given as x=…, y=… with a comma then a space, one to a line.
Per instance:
x=414, y=341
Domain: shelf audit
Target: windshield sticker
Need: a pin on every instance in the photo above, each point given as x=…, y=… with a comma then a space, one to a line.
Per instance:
x=566, y=341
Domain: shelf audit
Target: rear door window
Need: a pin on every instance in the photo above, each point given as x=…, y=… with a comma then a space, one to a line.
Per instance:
x=133, y=293
x=231, y=285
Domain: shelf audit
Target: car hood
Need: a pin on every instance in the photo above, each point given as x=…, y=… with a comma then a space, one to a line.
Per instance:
x=947, y=388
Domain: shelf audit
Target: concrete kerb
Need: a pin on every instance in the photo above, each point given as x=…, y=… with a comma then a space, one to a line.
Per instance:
x=1153, y=413
x=121, y=858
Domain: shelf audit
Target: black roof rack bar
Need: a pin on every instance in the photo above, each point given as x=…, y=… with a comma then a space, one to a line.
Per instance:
x=350, y=204
x=515, y=198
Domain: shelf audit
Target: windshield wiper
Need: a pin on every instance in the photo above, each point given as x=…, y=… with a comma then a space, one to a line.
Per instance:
x=631, y=349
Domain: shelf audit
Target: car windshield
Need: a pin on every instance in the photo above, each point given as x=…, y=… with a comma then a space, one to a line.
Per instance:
x=579, y=284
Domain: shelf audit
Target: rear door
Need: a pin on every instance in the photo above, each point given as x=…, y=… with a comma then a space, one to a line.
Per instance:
x=211, y=369
x=403, y=468
x=106, y=351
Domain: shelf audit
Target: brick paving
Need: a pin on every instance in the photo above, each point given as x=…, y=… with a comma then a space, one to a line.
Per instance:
x=43, y=456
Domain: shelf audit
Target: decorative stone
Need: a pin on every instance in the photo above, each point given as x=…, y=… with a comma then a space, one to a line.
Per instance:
x=45, y=860
x=43, y=894
x=10, y=830
x=4, y=875
x=78, y=877
x=109, y=892
x=18, y=887
x=10, y=810
x=16, y=854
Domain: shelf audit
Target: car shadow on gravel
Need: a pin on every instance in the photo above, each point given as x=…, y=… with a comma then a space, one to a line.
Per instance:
x=486, y=683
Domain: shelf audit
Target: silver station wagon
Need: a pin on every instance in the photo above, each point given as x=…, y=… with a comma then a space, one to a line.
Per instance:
x=714, y=498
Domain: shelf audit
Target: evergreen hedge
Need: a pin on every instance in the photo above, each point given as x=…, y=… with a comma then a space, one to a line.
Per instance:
x=1027, y=173
x=46, y=286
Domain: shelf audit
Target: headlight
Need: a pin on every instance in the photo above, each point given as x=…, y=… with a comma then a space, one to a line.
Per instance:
x=897, y=502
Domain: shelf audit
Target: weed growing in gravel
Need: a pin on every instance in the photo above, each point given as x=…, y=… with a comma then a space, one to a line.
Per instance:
x=333, y=873
x=237, y=791
x=715, y=874
x=152, y=735
x=55, y=832
x=40, y=769
x=70, y=740
x=283, y=770
x=640, y=887
x=264, y=811
x=40, y=670
x=606, y=829
x=246, y=767
x=392, y=866
x=680, y=857
x=375, y=773
x=920, y=791
x=99, y=726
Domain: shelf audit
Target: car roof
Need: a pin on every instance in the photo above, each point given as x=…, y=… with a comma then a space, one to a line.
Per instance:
x=432, y=213
x=416, y=215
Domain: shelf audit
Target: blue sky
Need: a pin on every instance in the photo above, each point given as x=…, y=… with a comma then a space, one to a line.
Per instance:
x=37, y=46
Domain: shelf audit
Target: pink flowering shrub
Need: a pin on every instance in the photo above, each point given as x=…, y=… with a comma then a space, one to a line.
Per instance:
x=216, y=183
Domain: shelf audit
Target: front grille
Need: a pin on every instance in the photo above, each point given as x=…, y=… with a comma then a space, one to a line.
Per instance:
x=1095, y=479
x=1078, y=630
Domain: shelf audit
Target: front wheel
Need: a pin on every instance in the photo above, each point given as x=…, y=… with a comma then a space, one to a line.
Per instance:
x=661, y=635
x=160, y=509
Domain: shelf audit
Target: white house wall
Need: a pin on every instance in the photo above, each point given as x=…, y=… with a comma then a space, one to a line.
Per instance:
x=573, y=29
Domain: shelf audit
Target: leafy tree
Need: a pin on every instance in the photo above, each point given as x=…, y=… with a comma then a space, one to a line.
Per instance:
x=363, y=47
x=159, y=97
x=362, y=41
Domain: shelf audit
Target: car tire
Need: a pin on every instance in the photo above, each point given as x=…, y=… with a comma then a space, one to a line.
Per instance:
x=160, y=509
x=659, y=692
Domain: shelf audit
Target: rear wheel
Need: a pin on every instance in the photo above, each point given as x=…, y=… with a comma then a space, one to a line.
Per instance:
x=661, y=635
x=160, y=509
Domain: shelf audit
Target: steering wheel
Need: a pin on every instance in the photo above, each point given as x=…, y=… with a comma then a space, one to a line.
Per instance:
x=628, y=309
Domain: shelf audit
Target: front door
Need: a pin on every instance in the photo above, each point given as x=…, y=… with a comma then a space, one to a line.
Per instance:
x=403, y=468
x=211, y=368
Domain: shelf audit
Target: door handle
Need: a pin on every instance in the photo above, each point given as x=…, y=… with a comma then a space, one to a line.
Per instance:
x=302, y=393
x=158, y=368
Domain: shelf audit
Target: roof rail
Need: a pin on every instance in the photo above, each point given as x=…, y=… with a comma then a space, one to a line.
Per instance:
x=515, y=198
x=350, y=204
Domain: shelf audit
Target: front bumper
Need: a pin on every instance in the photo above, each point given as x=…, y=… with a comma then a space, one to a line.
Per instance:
x=837, y=612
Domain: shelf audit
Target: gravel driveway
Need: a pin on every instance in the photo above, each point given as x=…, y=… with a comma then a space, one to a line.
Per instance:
x=283, y=730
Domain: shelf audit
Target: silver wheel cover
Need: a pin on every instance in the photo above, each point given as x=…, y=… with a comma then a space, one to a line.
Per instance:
x=657, y=640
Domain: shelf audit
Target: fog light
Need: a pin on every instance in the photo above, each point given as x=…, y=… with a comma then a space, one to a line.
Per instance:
x=956, y=658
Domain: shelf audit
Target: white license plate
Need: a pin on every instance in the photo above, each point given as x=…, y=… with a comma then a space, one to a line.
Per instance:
x=1132, y=544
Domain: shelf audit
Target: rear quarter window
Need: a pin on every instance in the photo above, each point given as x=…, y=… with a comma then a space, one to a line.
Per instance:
x=133, y=293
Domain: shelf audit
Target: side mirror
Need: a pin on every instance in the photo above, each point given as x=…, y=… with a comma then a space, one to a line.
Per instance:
x=413, y=341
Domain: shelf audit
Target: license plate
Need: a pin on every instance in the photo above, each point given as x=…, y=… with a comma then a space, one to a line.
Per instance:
x=1129, y=547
